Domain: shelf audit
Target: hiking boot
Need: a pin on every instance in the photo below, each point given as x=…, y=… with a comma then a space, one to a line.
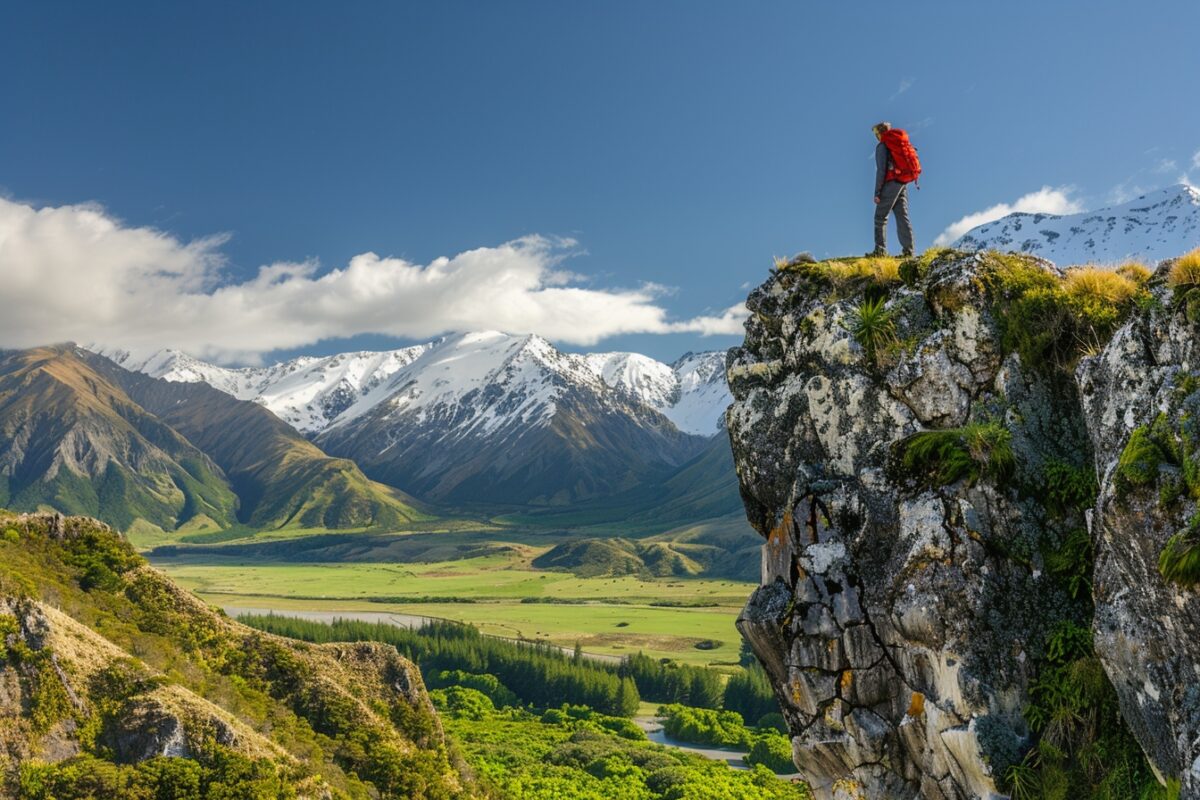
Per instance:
x=876, y=254
x=907, y=254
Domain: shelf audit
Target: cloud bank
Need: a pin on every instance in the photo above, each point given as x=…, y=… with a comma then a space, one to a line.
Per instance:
x=74, y=273
x=1044, y=201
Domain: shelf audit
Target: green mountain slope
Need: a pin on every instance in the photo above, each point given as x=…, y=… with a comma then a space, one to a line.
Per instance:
x=704, y=488
x=282, y=479
x=72, y=440
x=593, y=446
x=116, y=683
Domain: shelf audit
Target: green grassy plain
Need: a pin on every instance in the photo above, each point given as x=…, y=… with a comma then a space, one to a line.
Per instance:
x=663, y=617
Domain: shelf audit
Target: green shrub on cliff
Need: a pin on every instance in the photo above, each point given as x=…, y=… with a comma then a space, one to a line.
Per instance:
x=1148, y=449
x=1185, y=272
x=1167, y=456
x=1084, y=749
x=872, y=326
x=1179, y=561
x=1052, y=321
x=976, y=450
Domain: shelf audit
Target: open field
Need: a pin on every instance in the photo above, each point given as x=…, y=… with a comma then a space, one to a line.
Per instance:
x=665, y=617
x=493, y=577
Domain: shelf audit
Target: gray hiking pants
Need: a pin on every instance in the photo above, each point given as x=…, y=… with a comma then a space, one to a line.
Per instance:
x=893, y=197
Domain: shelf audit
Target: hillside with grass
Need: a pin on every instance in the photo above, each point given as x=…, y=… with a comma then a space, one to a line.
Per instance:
x=282, y=480
x=114, y=682
x=72, y=440
x=80, y=435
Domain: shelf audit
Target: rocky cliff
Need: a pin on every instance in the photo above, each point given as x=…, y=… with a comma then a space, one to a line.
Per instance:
x=913, y=443
x=1141, y=398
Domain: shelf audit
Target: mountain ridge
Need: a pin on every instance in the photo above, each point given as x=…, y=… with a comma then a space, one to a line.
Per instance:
x=313, y=393
x=82, y=435
x=1154, y=226
x=487, y=418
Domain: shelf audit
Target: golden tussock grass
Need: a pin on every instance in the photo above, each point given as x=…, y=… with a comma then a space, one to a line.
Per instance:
x=882, y=269
x=1186, y=270
x=1100, y=284
x=1135, y=271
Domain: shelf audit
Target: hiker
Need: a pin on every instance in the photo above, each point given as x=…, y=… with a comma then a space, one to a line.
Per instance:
x=896, y=166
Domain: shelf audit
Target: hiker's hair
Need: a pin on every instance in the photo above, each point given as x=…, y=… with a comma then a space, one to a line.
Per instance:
x=880, y=127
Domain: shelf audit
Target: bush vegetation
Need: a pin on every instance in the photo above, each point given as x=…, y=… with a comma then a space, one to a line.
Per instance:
x=1084, y=749
x=1179, y=561
x=941, y=457
x=872, y=325
x=705, y=726
x=1089, y=284
x=773, y=751
x=1165, y=457
x=1135, y=271
x=580, y=754
x=1050, y=321
x=1185, y=272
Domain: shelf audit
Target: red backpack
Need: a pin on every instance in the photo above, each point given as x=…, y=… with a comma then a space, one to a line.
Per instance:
x=906, y=167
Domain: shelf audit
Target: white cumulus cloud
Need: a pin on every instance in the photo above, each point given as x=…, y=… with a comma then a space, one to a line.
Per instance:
x=74, y=273
x=1046, y=200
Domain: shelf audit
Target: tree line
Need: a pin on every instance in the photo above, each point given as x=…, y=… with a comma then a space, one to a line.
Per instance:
x=542, y=675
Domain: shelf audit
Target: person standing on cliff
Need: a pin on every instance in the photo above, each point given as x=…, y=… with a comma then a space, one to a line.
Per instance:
x=896, y=166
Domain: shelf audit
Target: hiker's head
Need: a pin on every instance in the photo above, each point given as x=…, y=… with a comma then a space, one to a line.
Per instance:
x=879, y=127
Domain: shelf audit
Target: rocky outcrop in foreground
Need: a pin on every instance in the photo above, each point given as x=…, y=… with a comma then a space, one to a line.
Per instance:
x=913, y=444
x=114, y=681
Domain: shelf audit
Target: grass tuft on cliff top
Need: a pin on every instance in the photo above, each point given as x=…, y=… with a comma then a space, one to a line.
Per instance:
x=1185, y=272
x=1052, y=321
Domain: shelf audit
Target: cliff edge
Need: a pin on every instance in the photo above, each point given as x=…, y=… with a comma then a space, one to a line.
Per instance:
x=930, y=448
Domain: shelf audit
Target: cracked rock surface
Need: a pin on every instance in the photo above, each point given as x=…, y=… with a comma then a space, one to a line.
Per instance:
x=898, y=621
x=1147, y=630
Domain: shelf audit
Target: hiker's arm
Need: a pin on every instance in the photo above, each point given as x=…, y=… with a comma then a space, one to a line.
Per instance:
x=881, y=162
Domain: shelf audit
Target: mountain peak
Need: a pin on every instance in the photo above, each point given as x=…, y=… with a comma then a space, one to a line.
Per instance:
x=313, y=394
x=1156, y=225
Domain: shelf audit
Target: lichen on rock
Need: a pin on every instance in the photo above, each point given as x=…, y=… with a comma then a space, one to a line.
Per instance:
x=1142, y=401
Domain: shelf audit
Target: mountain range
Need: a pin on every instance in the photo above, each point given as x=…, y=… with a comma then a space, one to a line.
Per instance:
x=1162, y=224
x=80, y=434
x=486, y=417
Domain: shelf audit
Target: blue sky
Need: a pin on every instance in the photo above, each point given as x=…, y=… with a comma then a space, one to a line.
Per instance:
x=681, y=144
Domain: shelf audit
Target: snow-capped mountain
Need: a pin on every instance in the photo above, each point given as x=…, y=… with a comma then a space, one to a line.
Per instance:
x=511, y=419
x=487, y=416
x=307, y=392
x=1158, y=225
x=315, y=393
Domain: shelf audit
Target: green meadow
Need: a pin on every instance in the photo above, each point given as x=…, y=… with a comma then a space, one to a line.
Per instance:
x=501, y=594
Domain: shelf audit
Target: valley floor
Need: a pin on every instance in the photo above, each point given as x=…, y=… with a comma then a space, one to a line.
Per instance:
x=690, y=620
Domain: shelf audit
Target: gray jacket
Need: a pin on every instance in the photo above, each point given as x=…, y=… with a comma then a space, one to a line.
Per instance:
x=883, y=162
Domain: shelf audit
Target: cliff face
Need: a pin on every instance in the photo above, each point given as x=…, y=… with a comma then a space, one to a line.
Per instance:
x=914, y=448
x=1142, y=402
